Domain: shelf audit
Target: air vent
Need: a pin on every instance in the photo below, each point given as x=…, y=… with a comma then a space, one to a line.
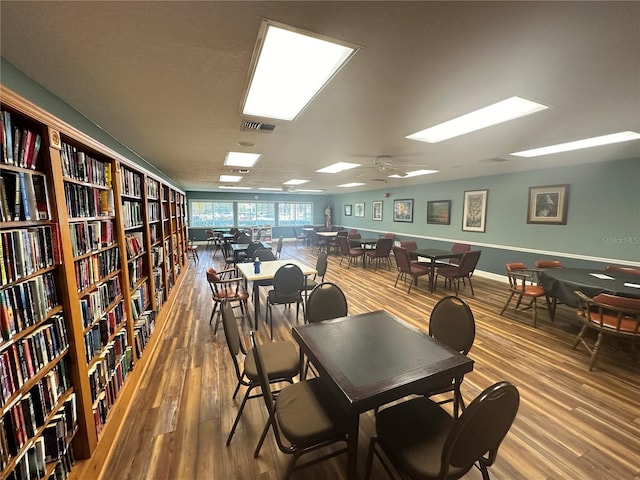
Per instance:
x=240, y=170
x=494, y=160
x=251, y=126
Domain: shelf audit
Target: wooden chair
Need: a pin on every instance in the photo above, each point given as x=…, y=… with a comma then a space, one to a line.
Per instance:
x=408, y=268
x=523, y=282
x=226, y=287
x=607, y=315
x=304, y=417
x=464, y=270
x=421, y=440
x=346, y=251
x=282, y=358
x=192, y=251
x=549, y=264
x=622, y=269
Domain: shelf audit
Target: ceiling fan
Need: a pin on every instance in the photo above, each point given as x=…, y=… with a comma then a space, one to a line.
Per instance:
x=385, y=165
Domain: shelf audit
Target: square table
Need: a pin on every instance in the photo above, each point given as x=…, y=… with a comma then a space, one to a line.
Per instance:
x=434, y=254
x=267, y=272
x=374, y=358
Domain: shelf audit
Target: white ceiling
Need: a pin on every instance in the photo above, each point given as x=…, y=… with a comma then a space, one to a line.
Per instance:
x=167, y=80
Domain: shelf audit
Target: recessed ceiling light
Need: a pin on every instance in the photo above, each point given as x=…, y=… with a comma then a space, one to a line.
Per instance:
x=229, y=187
x=271, y=189
x=500, y=112
x=240, y=159
x=352, y=184
x=292, y=66
x=230, y=178
x=338, y=167
x=308, y=190
x=578, y=144
x=294, y=181
x=414, y=173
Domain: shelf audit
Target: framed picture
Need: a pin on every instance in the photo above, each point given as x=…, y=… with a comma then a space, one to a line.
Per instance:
x=439, y=212
x=359, y=209
x=347, y=210
x=548, y=204
x=376, y=212
x=403, y=210
x=474, y=213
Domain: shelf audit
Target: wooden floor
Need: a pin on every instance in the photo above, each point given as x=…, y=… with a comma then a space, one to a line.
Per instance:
x=572, y=424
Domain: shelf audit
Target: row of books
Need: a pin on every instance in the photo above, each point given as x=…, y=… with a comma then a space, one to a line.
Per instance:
x=83, y=201
x=131, y=183
x=95, y=304
x=114, y=353
x=20, y=146
x=132, y=215
x=27, y=356
x=98, y=337
x=23, y=196
x=91, y=236
x=135, y=244
x=153, y=211
x=27, y=303
x=143, y=330
x=155, y=233
x=80, y=166
x=93, y=269
x=153, y=189
x=136, y=271
x=24, y=251
x=157, y=256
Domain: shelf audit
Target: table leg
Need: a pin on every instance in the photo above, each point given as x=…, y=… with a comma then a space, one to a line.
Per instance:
x=432, y=275
x=256, y=303
x=352, y=447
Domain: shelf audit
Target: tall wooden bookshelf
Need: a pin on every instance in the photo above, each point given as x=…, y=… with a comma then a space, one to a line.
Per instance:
x=93, y=247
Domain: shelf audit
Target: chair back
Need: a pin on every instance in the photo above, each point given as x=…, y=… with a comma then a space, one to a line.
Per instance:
x=409, y=244
x=516, y=281
x=402, y=259
x=452, y=323
x=232, y=336
x=251, y=249
x=384, y=246
x=343, y=243
x=243, y=238
x=354, y=236
x=264, y=383
x=321, y=265
x=548, y=264
x=390, y=235
x=326, y=301
x=264, y=254
x=623, y=269
x=459, y=248
x=288, y=279
x=468, y=263
x=611, y=312
x=279, y=247
x=481, y=427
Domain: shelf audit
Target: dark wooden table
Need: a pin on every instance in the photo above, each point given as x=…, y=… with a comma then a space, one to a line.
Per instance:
x=374, y=358
x=435, y=254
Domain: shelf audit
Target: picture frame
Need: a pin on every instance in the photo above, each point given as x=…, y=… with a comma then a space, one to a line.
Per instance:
x=358, y=209
x=439, y=212
x=474, y=211
x=403, y=210
x=347, y=210
x=376, y=211
x=548, y=205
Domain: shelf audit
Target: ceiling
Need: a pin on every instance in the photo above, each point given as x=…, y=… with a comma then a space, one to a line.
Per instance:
x=167, y=80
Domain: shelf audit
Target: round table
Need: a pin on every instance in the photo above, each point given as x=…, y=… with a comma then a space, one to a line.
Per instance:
x=560, y=283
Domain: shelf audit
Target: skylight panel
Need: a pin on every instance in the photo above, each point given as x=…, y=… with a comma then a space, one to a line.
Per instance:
x=240, y=159
x=339, y=167
x=579, y=144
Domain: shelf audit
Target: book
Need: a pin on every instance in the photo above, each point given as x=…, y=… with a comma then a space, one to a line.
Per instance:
x=7, y=145
x=5, y=213
x=41, y=195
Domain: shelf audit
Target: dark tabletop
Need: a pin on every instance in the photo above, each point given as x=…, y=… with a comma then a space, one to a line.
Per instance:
x=436, y=253
x=562, y=283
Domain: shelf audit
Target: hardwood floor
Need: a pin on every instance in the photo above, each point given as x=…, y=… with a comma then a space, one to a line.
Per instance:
x=572, y=423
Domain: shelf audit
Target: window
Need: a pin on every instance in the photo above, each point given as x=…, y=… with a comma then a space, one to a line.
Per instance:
x=256, y=214
x=295, y=213
x=211, y=214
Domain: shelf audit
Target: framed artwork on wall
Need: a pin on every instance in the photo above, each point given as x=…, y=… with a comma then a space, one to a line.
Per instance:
x=403, y=210
x=376, y=211
x=439, y=212
x=474, y=213
x=347, y=210
x=548, y=204
x=359, y=209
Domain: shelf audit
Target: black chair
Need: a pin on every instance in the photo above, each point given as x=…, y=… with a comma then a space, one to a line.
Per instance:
x=464, y=270
x=382, y=251
x=248, y=254
x=326, y=301
x=279, y=248
x=288, y=283
x=321, y=271
x=282, y=359
x=299, y=237
x=305, y=417
x=264, y=254
x=421, y=440
x=452, y=323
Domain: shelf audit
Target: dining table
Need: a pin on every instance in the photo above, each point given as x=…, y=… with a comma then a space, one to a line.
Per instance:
x=264, y=276
x=239, y=248
x=374, y=358
x=560, y=284
x=433, y=255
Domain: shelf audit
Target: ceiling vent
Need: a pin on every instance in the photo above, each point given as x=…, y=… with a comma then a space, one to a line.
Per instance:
x=494, y=160
x=251, y=126
x=240, y=170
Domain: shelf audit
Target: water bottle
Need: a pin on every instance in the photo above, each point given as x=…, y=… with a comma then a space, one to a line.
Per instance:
x=256, y=266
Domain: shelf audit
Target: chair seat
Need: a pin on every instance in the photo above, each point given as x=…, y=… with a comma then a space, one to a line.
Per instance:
x=275, y=297
x=532, y=291
x=281, y=360
x=419, y=269
x=307, y=413
x=625, y=324
x=230, y=293
x=414, y=431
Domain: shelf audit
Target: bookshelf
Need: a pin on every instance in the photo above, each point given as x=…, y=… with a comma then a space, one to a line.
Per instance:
x=93, y=247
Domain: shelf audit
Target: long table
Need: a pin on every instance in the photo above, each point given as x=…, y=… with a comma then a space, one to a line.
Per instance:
x=267, y=272
x=374, y=358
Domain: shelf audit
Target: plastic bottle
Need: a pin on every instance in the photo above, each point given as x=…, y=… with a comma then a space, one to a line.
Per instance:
x=256, y=266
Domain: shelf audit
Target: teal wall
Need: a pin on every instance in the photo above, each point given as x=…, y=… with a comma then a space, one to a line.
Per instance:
x=17, y=81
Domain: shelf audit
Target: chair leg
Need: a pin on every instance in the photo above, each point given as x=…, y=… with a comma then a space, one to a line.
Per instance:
x=235, y=423
x=507, y=304
x=372, y=446
x=263, y=435
x=596, y=351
